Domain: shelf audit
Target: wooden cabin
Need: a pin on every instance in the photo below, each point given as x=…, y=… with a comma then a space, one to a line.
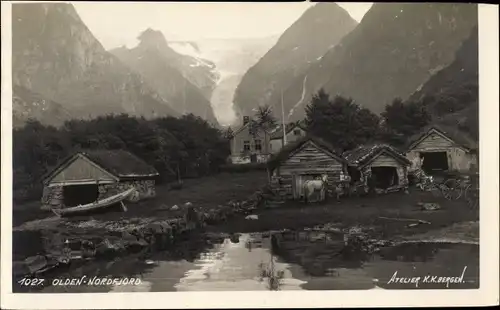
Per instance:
x=305, y=159
x=387, y=167
x=443, y=149
x=94, y=175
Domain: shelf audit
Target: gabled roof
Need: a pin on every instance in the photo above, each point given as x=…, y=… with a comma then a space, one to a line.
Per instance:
x=237, y=131
x=245, y=126
x=119, y=163
x=278, y=132
x=290, y=149
x=364, y=154
x=453, y=134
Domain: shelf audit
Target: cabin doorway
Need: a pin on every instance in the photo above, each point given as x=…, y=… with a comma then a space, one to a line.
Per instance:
x=299, y=188
x=434, y=161
x=74, y=195
x=385, y=177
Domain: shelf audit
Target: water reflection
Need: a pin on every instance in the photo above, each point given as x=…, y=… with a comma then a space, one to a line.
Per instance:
x=247, y=265
x=249, y=262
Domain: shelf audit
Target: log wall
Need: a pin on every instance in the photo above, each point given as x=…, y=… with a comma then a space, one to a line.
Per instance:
x=309, y=160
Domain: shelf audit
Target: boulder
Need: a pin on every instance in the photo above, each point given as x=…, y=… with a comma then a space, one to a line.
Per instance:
x=430, y=206
x=163, y=207
x=174, y=208
x=35, y=263
x=109, y=249
x=252, y=217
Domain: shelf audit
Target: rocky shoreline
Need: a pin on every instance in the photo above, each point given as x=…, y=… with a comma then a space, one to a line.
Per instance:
x=63, y=240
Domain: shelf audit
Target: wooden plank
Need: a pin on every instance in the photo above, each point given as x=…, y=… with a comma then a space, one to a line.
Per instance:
x=385, y=161
x=81, y=169
x=432, y=141
x=80, y=182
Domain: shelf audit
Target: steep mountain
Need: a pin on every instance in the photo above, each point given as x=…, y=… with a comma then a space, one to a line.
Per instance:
x=27, y=104
x=56, y=56
x=199, y=71
x=394, y=49
x=232, y=57
x=452, y=93
x=161, y=68
x=462, y=71
x=320, y=28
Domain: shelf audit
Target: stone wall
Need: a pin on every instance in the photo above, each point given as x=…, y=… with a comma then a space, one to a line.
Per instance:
x=145, y=189
x=458, y=159
x=402, y=176
x=52, y=198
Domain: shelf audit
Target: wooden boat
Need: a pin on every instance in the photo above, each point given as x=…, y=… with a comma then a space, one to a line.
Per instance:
x=100, y=204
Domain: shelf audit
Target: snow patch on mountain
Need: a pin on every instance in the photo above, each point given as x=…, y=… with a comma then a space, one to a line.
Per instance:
x=232, y=58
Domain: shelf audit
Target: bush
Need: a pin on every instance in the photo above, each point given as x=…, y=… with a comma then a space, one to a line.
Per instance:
x=235, y=168
x=176, y=147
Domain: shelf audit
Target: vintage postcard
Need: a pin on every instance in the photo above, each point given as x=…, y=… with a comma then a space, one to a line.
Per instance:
x=235, y=155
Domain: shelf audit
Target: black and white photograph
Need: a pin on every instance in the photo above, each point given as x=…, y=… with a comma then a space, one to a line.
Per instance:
x=165, y=147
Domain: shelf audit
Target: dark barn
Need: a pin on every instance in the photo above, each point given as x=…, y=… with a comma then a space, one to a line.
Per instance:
x=93, y=175
x=387, y=167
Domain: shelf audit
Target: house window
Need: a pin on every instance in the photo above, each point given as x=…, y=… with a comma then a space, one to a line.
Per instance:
x=296, y=132
x=258, y=145
x=246, y=145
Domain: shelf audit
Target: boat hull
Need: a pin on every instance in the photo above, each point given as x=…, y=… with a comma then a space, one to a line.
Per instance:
x=95, y=206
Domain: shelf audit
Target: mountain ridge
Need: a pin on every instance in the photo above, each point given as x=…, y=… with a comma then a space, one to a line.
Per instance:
x=395, y=48
x=56, y=56
x=154, y=60
x=308, y=38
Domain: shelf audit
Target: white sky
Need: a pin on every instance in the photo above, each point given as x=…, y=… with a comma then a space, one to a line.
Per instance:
x=119, y=23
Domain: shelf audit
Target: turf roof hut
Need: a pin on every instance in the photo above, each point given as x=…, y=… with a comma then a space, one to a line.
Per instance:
x=387, y=166
x=444, y=148
x=305, y=159
x=92, y=175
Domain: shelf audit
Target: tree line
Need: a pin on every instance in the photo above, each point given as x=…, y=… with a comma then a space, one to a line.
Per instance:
x=176, y=147
x=346, y=125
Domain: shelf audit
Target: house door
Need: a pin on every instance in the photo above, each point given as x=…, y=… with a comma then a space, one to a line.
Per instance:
x=253, y=158
x=299, y=186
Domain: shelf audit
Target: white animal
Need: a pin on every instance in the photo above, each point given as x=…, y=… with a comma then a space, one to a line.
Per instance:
x=310, y=186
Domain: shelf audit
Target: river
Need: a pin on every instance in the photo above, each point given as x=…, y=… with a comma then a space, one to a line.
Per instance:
x=247, y=265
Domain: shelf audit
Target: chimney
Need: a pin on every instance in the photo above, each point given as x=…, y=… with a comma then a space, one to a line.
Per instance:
x=246, y=119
